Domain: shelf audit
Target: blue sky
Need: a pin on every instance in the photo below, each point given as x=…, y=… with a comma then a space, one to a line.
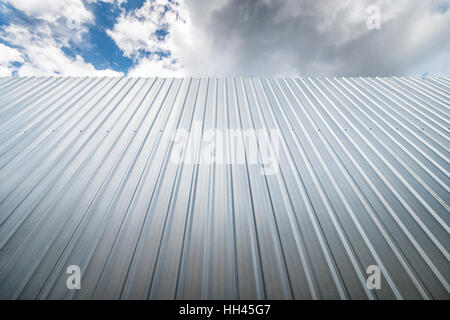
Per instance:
x=223, y=38
x=103, y=52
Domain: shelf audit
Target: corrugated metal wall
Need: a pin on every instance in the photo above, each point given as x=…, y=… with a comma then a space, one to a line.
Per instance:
x=86, y=179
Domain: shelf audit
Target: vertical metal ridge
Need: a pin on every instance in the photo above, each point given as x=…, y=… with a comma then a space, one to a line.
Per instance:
x=357, y=264
x=417, y=110
x=406, y=126
x=343, y=236
x=429, y=89
x=282, y=265
x=401, y=178
x=434, y=145
x=251, y=220
x=404, y=228
x=305, y=258
x=320, y=233
x=87, y=178
x=370, y=210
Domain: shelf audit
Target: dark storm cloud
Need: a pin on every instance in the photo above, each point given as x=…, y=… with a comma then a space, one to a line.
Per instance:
x=325, y=37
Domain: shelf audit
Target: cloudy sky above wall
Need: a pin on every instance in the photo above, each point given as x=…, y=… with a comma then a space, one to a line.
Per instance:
x=264, y=38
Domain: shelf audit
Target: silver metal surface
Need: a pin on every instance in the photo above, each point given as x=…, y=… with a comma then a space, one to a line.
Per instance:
x=86, y=179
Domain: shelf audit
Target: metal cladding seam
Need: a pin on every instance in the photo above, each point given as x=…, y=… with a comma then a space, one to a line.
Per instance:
x=87, y=178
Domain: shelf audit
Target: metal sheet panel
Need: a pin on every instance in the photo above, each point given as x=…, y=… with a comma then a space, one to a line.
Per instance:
x=87, y=178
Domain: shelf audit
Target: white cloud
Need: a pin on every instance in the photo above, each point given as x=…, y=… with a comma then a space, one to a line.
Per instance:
x=156, y=67
x=43, y=54
x=52, y=10
x=61, y=65
x=9, y=55
x=288, y=37
x=136, y=31
x=187, y=44
x=5, y=71
x=238, y=38
x=39, y=45
x=50, y=60
x=108, y=1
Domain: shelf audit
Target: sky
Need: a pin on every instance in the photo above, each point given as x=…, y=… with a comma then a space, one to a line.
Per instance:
x=217, y=38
